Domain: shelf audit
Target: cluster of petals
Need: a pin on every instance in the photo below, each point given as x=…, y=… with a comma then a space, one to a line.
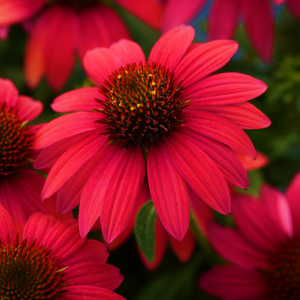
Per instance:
x=81, y=261
x=263, y=249
x=21, y=194
x=106, y=179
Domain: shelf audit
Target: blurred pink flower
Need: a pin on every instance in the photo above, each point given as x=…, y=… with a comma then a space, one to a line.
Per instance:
x=263, y=249
x=167, y=110
x=51, y=261
x=20, y=186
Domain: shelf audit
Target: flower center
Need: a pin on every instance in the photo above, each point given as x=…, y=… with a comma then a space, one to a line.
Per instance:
x=15, y=141
x=29, y=272
x=284, y=275
x=78, y=5
x=142, y=104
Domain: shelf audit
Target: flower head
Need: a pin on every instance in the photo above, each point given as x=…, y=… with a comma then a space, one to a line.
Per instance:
x=51, y=261
x=263, y=249
x=167, y=112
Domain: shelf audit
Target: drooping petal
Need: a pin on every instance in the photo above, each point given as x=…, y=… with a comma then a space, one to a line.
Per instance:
x=77, y=100
x=222, y=19
x=224, y=89
x=250, y=163
x=169, y=192
x=8, y=93
x=234, y=283
x=200, y=172
x=7, y=228
x=294, y=7
x=220, y=129
x=260, y=25
x=66, y=126
x=29, y=109
x=204, y=60
x=171, y=47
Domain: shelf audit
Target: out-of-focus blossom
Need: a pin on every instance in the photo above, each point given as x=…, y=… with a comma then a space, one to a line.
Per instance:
x=51, y=261
x=167, y=113
x=20, y=185
x=263, y=249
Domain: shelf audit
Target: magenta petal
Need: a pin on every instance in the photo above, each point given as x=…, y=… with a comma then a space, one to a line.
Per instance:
x=8, y=93
x=232, y=246
x=128, y=52
x=294, y=7
x=77, y=100
x=246, y=115
x=170, y=48
x=199, y=171
x=29, y=109
x=37, y=227
x=234, y=283
x=224, y=89
x=4, y=32
x=63, y=238
x=66, y=126
x=222, y=19
x=100, y=63
x=169, y=192
x=204, y=60
x=7, y=228
x=260, y=26
x=71, y=161
x=220, y=129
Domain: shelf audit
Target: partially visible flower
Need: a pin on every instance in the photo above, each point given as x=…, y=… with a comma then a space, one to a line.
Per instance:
x=167, y=111
x=20, y=185
x=51, y=261
x=263, y=250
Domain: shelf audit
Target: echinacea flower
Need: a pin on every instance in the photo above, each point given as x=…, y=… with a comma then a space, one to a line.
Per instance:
x=51, y=261
x=166, y=112
x=263, y=249
x=20, y=185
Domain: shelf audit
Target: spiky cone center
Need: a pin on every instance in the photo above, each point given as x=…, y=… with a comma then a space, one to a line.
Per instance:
x=284, y=273
x=29, y=272
x=142, y=104
x=78, y=5
x=15, y=142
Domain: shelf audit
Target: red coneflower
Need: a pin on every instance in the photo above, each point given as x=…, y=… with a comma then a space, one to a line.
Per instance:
x=166, y=112
x=51, y=261
x=20, y=186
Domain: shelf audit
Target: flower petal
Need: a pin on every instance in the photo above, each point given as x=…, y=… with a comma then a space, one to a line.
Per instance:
x=294, y=7
x=29, y=109
x=7, y=228
x=8, y=93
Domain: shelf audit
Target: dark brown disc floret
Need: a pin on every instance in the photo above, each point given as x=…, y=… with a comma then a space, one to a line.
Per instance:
x=15, y=141
x=284, y=272
x=142, y=104
x=29, y=272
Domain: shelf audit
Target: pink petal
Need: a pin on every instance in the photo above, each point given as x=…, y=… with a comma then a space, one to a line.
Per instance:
x=169, y=192
x=8, y=93
x=37, y=227
x=204, y=60
x=224, y=158
x=250, y=163
x=7, y=228
x=94, y=274
x=61, y=42
x=185, y=248
x=179, y=12
x=199, y=171
x=234, y=283
x=232, y=246
x=90, y=251
x=149, y=11
x=128, y=52
x=66, y=126
x=63, y=239
x=100, y=63
x=77, y=100
x=170, y=48
x=12, y=11
x=222, y=19
x=71, y=161
x=292, y=195
x=220, y=129
x=224, y=89
x=4, y=32
x=278, y=2
x=260, y=26
x=88, y=292
x=294, y=7
x=29, y=109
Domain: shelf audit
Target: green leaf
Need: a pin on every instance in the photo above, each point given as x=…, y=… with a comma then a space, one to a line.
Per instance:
x=145, y=229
